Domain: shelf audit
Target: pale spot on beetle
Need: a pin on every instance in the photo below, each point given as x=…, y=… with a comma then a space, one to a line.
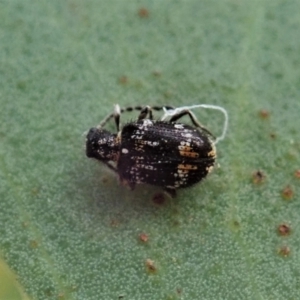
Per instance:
x=187, y=151
x=178, y=126
x=137, y=137
x=187, y=135
x=189, y=154
x=125, y=151
x=118, y=138
x=212, y=153
x=209, y=169
x=147, y=122
x=150, y=143
x=182, y=171
x=140, y=132
x=187, y=167
x=182, y=175
x=185, y=143
x=147, y=167
x=184, y=148
x=137, y=157
x=170, y=186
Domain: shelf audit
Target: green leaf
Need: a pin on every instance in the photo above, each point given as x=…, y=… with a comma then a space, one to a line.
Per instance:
x=68, y=229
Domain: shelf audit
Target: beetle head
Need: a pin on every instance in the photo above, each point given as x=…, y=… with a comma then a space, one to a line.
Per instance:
x=102, y=145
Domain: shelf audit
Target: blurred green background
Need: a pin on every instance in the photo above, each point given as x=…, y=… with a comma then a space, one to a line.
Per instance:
x=69, y=230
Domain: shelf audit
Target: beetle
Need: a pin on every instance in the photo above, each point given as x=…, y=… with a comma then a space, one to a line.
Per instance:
x=165, y=153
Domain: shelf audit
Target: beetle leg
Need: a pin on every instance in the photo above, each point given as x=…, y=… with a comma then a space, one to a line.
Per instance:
x=144, y=111
x=111, y=167
x=117, y=113
x=182, y=114
x=147, y=110
x=193, y=119
x=105, y=120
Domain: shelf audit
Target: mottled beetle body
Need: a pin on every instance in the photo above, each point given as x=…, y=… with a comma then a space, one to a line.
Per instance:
x=162, y=153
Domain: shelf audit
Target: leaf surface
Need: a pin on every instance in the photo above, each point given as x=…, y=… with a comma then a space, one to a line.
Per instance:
x=68, y=229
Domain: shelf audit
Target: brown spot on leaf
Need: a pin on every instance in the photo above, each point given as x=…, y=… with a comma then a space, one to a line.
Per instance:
x=258, y=177
x=284, y=251
x=156, y=73
x=143, y=12
x=264, y=114
x=179, y=291
x=114, y=223
x=284, y=229
x=297, y=173
x=104, y=179
x=123, y=80
x=35, y=191
x=33, y=244
x=150, y=265
x=143, y=237
x=287, y=193
x=61, y=296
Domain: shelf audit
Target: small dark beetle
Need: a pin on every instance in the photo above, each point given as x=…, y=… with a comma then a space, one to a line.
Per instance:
x=163, y=153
